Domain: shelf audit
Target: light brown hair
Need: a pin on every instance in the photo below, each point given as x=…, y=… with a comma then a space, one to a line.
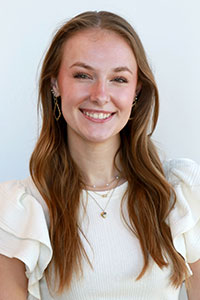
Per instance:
x=57, y=177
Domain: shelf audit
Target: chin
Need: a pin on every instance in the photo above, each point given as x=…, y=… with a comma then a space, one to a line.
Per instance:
x=100, y=138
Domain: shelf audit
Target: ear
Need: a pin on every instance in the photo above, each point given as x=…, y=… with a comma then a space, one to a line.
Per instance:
x=138, y=88
x=54, y=86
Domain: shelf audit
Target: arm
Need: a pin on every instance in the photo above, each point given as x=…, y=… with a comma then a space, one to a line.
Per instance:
x=13, y=281
x=194, y=281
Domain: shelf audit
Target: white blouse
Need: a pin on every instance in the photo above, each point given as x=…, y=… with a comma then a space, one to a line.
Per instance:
x=114, y=251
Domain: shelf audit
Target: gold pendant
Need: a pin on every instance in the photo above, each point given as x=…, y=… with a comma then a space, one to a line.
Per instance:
x=104, y=195
x=103, y=214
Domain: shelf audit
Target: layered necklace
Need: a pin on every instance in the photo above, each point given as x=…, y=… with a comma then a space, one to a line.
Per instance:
x=108, y=194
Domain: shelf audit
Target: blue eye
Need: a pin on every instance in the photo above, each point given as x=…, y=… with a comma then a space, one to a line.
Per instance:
x=121, y=80
x=81, y=76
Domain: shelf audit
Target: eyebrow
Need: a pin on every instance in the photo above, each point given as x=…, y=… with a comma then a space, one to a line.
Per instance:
x=117, y=69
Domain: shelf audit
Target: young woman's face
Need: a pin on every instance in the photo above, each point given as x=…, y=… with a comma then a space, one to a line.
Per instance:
x=97, y=82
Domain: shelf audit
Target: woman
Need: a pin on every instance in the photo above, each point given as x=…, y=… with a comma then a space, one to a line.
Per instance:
x=121, y=225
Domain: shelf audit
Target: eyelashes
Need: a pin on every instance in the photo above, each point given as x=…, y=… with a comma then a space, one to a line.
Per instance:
x=118, y=79
x=82, y=76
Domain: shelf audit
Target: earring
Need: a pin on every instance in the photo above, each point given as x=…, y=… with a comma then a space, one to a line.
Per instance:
x=133, y=105
x=56, y=109
x=135, y=101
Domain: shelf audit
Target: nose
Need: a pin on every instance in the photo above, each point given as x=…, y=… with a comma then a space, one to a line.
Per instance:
x=99, y=92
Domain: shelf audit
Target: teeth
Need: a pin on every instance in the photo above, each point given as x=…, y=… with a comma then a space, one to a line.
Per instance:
x=100, y=116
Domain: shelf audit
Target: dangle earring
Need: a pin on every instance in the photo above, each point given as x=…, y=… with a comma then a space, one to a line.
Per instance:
x=133, y=105
x=56, y=109
x=135, y=101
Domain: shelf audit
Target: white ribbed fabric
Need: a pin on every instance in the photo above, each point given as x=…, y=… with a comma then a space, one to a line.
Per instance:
x=113, y=251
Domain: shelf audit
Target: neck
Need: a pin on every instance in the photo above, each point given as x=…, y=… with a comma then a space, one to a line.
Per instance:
x=96, y=160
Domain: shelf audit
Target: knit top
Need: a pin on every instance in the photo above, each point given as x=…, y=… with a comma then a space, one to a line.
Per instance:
x=113, y=250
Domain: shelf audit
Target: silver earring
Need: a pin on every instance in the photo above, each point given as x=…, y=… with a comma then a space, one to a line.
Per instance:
x=56, y=109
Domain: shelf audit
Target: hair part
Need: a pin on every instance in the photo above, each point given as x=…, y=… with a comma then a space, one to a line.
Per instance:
x=57, y=177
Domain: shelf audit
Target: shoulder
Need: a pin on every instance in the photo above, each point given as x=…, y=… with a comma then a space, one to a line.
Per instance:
x=24, y=191
x=23, y=229
x=184, y=218
x=182, y=170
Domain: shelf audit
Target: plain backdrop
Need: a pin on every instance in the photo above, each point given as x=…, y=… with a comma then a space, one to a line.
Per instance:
x=169, y=30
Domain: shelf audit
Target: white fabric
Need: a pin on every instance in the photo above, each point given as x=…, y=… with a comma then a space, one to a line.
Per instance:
x=23, y=232
x=115, y=254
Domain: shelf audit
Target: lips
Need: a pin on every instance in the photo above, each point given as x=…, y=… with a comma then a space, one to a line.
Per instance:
x=97, y=115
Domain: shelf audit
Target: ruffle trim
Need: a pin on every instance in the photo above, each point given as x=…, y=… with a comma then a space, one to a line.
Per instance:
x=25, y=232
x=184, y=219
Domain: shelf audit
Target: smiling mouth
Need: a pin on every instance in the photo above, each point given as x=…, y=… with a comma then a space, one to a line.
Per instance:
x=96, y=115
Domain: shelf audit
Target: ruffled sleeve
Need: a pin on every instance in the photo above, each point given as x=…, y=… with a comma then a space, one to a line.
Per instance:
x=24, y=232
x=184, y=219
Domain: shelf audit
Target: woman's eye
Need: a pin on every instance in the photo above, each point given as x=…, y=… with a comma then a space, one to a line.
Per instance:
x=120, y=80
x=82, y=76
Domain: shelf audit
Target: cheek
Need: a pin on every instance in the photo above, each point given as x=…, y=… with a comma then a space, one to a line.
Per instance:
x=125, y=100
x=73, y=95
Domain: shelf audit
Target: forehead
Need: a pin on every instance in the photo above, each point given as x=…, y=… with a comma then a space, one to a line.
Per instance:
x=98, y=44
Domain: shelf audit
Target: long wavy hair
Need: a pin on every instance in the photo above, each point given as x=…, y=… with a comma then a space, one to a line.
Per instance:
x=57, y=176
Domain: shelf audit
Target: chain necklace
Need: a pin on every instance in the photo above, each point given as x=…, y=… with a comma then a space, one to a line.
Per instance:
x=106, y=185
x=104, y=213
x=105, y=195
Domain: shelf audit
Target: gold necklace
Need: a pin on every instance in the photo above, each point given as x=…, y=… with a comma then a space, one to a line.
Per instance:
x=105, y=195
x=103, y=213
